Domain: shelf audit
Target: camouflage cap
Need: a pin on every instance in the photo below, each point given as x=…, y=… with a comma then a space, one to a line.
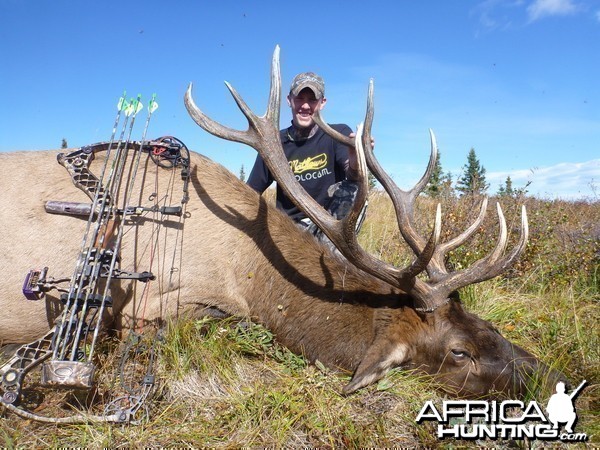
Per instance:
x=308, y=80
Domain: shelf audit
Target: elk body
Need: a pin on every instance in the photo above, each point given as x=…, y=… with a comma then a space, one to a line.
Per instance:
x=243, y=257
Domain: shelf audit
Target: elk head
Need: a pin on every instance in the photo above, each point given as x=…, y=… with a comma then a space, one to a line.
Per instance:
x=433, y=333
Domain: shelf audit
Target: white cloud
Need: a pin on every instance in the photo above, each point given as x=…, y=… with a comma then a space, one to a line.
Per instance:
x=543, y=8
x=563, y=180
x=506, y=14
x=496, y=14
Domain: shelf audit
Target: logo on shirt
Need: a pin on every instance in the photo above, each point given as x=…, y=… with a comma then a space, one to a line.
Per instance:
x=317, y=162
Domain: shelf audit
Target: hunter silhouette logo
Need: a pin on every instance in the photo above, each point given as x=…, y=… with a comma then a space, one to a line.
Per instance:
x=560, y=407
x=509, y=419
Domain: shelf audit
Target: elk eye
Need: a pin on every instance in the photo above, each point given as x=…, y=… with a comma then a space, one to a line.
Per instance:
x=460, y=353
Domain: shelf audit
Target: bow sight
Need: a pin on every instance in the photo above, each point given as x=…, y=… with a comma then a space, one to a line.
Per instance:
x=66, y=352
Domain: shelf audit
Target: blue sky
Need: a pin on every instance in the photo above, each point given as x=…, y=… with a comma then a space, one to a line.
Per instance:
x=516, y=80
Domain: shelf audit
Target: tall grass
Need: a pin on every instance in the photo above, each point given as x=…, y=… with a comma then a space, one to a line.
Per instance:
x=228, y=384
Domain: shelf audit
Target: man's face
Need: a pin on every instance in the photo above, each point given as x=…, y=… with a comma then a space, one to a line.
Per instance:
x=303, y=106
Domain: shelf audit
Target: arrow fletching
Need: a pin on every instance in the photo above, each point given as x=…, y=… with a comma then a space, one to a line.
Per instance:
x=122, y=103
x=138, y=104
x=129, y=108
x=153, y=105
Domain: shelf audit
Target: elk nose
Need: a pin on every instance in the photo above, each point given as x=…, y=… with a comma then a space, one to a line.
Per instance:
x=531, y=374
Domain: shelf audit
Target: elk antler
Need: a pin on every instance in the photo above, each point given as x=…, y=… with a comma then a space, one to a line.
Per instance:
x=263, y=135
x=441, y=283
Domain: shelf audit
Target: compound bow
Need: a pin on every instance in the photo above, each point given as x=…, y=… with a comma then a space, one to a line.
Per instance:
x=66, y=352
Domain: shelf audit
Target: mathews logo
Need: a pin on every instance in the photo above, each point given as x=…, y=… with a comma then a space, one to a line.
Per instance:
x=510, y=419
x=311, y=163
x=311, y=168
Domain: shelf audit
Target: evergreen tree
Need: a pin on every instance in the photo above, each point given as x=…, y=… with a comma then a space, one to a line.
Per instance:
x=506, y=190
x=473, y=179
x=64, y=144
x=433, y=185
x=440, y=183
x=242, y=173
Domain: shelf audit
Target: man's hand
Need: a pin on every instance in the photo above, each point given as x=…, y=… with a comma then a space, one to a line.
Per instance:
x=352, y=158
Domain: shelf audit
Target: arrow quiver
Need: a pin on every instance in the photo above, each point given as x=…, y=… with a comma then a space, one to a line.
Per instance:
x=66, y=354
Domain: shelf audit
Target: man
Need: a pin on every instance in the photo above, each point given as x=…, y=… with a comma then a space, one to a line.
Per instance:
x=318, y=161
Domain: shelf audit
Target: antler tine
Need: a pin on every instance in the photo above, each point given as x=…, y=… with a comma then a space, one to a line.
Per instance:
x=430, y=167
x=369, y=114
x=403, y=201
x=502, y=264
x=273, y=107
x=490, y=266
x=503, y=236
x=331, y=132
x=349, y=222
x=461, y=238
x=368, y=123
x=208, y=124
x=256, y=124
x=437, y=267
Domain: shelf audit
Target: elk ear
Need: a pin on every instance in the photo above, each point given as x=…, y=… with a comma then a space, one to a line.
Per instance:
x=380, y=358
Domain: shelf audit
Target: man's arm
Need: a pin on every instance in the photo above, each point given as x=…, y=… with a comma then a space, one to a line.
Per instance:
x=260, y=178
x=346, y=156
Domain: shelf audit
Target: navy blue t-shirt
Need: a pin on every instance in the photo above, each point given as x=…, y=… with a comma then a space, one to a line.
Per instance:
x=317, y=162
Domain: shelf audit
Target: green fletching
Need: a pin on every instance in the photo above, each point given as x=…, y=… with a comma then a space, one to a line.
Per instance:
x=129, y=108
x=138, y=106
x=153, y=105
x=122, y=103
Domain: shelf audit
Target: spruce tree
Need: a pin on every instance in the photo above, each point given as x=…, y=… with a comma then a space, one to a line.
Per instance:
x=434, y=185
x=64, y=144
x=472, y=181
x=242, y=173
x=506, y=190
